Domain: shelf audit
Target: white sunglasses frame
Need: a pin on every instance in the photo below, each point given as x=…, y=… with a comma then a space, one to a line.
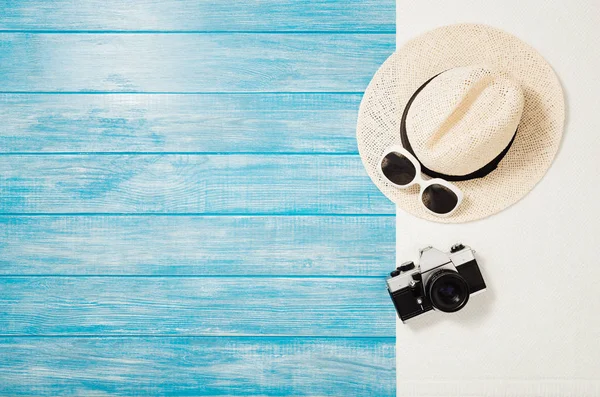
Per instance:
x=418, y=179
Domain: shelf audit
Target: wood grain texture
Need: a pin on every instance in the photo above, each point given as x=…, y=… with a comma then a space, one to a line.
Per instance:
x=193, y=15
x=190, y=62
x=223, y=184
x=195, y=306
x=197, y=367
x=323, y=123
x=252, y=265
x=197, y=245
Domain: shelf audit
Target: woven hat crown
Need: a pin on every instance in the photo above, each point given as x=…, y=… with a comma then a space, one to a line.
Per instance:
x=464, y=118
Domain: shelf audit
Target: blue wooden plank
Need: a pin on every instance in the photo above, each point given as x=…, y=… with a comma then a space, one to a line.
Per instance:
x=213, y=306
x=194, y=15
x=190, y=62
x=323, y=123
x=197, y=245
x=207, y=184
x=162, y=306
x=197, y=367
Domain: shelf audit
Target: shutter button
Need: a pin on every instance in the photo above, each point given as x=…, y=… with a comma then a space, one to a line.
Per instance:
x=456, y=248
x=406, y=266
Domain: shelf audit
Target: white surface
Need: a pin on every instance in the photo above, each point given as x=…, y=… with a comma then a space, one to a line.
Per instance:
x=536, y=331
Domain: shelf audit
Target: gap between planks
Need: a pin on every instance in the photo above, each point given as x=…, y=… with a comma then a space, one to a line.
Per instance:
x=195, y=214
x=212, y=336
x=83, y=31
x=182, y=276
x=142, y=153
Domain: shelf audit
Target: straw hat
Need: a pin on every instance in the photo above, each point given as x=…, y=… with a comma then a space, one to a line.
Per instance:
x=478, y=106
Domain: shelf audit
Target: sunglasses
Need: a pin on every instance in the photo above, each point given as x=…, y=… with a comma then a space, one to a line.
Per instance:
x=401, y=169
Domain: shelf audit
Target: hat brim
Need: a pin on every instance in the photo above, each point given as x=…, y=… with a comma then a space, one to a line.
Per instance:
x=539, y=133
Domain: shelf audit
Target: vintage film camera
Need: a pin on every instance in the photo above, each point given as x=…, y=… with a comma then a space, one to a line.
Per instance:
x=442, y=281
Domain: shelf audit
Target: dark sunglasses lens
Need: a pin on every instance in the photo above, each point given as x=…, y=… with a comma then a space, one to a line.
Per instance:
x=398, y=169
x=439, y=199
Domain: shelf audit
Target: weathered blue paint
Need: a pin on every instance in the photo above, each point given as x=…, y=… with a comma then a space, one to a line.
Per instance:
x=191, y=366
x=195, y=306
x=217, y=123
x=190, y=62
x=182, y=207
x=199, y=15
x=309, y=246
x=201, y=184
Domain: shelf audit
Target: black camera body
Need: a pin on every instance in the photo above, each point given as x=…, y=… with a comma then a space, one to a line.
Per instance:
x=442, y=281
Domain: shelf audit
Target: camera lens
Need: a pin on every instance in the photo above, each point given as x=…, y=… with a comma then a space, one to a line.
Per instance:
x=448, y=291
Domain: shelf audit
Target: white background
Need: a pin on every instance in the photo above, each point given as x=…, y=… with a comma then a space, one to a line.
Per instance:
x=536, y=331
